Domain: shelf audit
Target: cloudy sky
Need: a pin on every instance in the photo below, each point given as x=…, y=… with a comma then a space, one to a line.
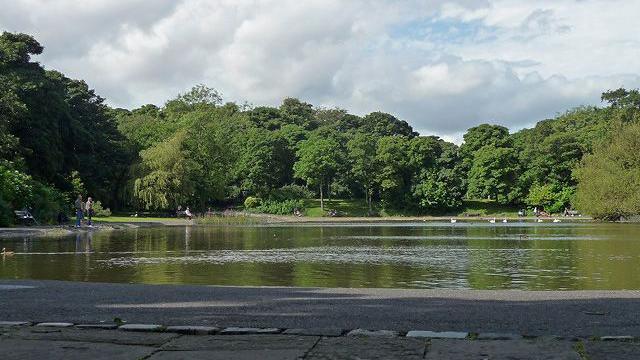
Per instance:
x=443, y=66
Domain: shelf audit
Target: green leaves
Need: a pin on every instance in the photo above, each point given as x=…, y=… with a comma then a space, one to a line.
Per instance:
x=609, y=179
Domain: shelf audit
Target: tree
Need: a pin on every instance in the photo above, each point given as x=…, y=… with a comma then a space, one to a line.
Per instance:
x=395, y=173
x=318, y=159
x=361, y=150
x=552, y=197
x=200, y=97
x=168, y=180
x=383, y=124
x=609, y=179
x=483, y=135
x=294, y=111
x=438, y=185
x=493, y=173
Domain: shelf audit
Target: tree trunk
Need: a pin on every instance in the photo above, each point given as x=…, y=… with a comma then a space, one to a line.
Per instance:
x=369, y=195
x=321, y=197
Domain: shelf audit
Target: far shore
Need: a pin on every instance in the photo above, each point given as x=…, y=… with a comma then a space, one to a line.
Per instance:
x=119, y=223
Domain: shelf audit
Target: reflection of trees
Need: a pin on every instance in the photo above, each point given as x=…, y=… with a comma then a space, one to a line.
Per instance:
x=481, y=257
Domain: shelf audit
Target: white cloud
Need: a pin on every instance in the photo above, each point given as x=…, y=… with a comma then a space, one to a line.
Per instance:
x=442, y=66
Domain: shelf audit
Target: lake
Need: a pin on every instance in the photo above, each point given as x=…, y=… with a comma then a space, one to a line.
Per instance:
x=517, y=255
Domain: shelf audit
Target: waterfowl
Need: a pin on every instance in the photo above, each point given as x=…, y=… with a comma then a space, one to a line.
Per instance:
x=504, y=220
x=7, y=253
x=556, y=220
x=493, y=221
x=540, y=220
x=453, y=221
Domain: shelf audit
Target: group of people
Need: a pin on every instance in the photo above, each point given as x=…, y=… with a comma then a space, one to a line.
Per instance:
x=84, y=209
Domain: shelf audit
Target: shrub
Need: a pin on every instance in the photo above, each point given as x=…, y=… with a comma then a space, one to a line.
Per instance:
x=285, y=207
x=15, y=187
x=47, y=202
x=6, y=215
x=98, y=210
x=252, y=202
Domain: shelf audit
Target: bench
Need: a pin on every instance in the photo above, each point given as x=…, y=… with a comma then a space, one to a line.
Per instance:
x=24, y=217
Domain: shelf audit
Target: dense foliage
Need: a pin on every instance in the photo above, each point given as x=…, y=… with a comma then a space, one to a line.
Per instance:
x=58, y=138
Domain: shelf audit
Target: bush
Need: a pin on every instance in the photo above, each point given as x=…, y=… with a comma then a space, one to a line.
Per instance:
x=291, y=192
x=98, y=210
x=552, y=198
x=47, y=202
x=6, y=215
x=285, y=207
x=15, y=187
x=252, y=202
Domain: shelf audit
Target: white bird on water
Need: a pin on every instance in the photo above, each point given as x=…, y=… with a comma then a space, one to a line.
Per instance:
x=539, y=220
x=504, y=220
x=453, y=221
x=493, y=221
x=556, y=220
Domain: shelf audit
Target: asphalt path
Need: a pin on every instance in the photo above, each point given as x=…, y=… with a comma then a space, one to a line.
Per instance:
x=564, y=313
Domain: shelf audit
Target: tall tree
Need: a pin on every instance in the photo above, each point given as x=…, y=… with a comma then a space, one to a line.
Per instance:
x=318, y=159
x=609, y=179
x=361, y=150
x=493, y=173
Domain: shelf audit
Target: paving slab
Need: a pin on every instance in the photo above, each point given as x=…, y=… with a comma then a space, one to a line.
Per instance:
x=193, y=330
x=599, y=350
x=92, y=335
x=300, y=344
x=142, y=327
x=617, y=338
x=248, y=330
x=376, y=333
x=501, y=349
x=228, y=355
x=17, y=349
x=438, y=334
x=357, y=347
x=98, y=326
x=55, y=324
x=315, y=332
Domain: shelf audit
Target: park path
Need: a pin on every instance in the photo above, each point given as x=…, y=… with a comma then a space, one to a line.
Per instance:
x=64, y=341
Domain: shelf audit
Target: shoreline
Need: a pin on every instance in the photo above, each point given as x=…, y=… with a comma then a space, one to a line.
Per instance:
x=100, y=226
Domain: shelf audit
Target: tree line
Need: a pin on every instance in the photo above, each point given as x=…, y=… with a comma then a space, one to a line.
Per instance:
x=57, y=138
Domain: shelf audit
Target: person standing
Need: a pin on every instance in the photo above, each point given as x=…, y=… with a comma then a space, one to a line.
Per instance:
x=79, y=210
x=88, y=208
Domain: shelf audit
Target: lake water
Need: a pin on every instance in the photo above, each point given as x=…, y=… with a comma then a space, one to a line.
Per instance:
x=532, y=256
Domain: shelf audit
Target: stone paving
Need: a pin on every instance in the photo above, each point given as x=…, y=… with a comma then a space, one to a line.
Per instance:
x=24, y=340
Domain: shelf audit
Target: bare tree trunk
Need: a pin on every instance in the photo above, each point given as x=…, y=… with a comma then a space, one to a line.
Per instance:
x=321, y=197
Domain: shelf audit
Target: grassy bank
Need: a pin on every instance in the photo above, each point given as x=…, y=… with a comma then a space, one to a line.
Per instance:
x=358, y=208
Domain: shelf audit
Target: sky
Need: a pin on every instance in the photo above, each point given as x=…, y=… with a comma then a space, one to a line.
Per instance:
x=443, y=66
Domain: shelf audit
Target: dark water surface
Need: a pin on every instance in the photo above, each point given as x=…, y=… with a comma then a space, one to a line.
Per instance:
x=547, y=256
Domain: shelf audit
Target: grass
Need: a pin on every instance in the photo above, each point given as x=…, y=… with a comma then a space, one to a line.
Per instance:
x=346, y=207
x=358, y=208
x=128, y=219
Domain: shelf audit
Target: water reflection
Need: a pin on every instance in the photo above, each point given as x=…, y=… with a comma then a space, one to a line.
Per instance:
x=417, y=255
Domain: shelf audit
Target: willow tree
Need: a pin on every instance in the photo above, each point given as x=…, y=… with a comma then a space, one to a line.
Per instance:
x=609, y=179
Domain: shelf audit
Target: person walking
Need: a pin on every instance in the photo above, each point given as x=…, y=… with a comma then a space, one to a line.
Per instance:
x=79, y=210
x=88, y=208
